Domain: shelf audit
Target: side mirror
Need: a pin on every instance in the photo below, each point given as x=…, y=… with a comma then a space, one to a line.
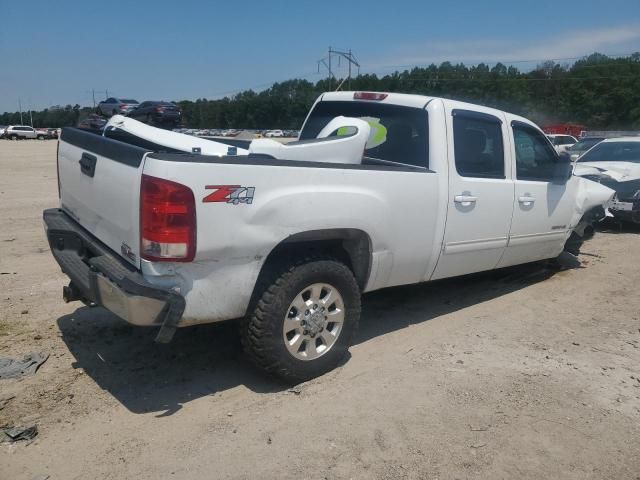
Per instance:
x=563, y=169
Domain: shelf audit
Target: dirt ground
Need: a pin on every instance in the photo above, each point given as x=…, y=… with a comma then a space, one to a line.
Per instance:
x=521, y=373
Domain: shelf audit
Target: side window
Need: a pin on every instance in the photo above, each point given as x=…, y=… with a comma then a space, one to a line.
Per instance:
x=535, y=159
x=477, y=143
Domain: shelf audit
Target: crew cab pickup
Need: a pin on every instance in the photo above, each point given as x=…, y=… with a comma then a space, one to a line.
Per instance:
x=164, y=235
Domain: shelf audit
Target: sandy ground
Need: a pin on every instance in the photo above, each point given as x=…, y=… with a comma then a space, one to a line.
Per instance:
x=520, y=373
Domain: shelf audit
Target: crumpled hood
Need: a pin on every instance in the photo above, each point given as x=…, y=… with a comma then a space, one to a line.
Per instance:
x=619, y=171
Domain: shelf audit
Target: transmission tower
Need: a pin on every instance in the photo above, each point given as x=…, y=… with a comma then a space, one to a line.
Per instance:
x=327, y=62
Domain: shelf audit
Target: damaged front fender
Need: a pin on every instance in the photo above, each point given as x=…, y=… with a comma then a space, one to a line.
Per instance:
x=592, y=201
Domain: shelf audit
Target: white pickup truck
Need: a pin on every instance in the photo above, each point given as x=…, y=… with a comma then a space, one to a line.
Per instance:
x=163, y=235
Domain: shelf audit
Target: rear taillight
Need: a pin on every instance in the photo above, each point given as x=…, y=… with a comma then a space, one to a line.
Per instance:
x=167, y=221
x=369, y=96
x=159, y=109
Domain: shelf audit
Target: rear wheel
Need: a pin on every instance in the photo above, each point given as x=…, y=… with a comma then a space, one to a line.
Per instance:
x=13, y=137
x=40, y=137
x=304, y=321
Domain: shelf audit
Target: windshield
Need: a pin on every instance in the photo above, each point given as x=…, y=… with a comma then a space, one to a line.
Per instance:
x=613, y=152
x=585, y=144
x=128, y=101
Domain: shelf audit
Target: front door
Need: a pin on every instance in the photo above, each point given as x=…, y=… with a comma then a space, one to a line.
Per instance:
x=543, y=205
x=481, y=193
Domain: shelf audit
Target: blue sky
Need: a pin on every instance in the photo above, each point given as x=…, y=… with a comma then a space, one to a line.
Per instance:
x=56, y=52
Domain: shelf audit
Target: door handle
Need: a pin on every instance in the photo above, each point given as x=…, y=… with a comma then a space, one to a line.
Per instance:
x=465, y=199
x=527, y=200
x=88, y=164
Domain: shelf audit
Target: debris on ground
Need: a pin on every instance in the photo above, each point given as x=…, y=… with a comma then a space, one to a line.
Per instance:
x=15, y=434
x=479, y=428
x=4, y=400
x=11, y=368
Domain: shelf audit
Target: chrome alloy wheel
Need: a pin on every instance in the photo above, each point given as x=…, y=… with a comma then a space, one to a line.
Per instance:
x=313, y=322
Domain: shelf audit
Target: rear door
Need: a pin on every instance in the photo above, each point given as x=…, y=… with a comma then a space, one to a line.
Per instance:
x=543, y=205
x=100, y=188
x=481, y=192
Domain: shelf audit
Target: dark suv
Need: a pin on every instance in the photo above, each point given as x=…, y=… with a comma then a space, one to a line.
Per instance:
x=157, y=113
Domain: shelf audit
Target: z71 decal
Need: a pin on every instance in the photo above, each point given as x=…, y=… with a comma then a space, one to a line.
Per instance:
x=234, y=194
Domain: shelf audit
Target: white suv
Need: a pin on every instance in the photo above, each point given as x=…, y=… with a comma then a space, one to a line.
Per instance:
x=562, y=142
x=274, y=133
x=15, y=132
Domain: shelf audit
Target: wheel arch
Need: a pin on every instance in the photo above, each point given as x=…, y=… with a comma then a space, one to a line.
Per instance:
x=348, y=245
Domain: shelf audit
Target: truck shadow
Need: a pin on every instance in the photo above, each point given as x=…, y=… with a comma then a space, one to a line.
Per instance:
x=615, y=227
x=203, y=360
x=399, y=307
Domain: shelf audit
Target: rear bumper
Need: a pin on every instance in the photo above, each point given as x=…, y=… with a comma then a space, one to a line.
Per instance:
x=100, y=277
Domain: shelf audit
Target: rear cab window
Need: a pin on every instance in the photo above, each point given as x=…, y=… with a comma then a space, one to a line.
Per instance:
x=399, y=134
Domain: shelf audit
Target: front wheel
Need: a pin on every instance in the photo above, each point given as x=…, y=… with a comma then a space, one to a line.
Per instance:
x=304, y=322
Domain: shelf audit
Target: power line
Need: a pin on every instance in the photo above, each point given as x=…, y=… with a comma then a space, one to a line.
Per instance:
x=263, y=85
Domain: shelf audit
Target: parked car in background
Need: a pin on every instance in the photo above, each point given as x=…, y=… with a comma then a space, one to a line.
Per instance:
x=2, y=129
x=45, y=133
x=114, y=106
x=17, y=132
x=562, y=142
x=274, y=133
x=615, y=163
x=157, y=113
x=577, y=149
x=93, y=122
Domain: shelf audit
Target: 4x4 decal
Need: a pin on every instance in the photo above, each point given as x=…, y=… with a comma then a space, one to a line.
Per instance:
x=234, y=194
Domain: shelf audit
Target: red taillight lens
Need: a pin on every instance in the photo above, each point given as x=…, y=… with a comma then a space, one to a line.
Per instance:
x=369, y=96
x=167, y=221
x=159, y=109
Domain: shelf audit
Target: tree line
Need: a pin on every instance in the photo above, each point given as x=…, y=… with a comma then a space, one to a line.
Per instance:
x=598, y=91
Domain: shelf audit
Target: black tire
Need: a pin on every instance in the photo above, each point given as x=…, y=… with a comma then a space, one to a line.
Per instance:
x=13, y=137
x=262, y=335
x=40, y=137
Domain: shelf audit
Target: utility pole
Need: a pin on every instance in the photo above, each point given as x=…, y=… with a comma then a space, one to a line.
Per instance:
x=93, y=94
x=348, y=55
x=20, y=108
x=330, y=72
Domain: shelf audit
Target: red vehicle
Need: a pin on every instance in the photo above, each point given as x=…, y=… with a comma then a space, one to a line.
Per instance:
x=565, y=129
